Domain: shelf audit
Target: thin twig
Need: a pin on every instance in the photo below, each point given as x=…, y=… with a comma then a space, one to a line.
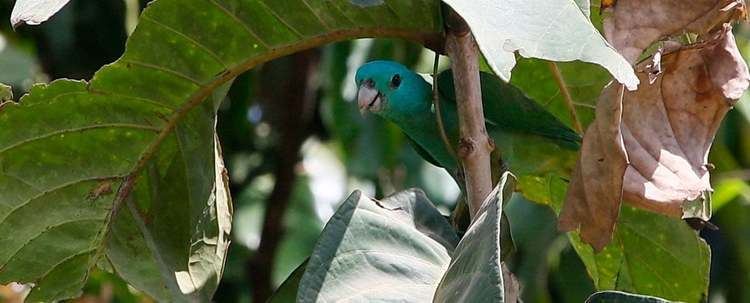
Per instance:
x=566, y=96
x=438, y=112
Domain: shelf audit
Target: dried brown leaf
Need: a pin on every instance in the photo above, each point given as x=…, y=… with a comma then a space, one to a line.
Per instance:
x=594, y=195
x=667, y=129
x=636, y=24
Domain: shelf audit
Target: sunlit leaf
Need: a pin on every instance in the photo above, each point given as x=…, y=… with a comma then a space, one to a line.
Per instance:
x=503, y=27
x=34, y=12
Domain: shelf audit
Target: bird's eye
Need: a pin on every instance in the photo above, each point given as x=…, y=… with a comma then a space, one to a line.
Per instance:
x=396, y=81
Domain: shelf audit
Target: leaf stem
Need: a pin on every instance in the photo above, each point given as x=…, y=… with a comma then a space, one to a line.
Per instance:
x=438, y=111
x=567, y=97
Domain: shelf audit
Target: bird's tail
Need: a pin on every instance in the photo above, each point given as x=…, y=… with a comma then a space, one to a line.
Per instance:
x=565, y=138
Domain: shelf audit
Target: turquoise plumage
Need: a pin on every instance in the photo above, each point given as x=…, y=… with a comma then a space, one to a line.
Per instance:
x=532, y=140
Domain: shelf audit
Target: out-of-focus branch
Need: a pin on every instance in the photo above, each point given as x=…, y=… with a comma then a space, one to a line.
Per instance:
x=567, y=97
x=293, y=94
x=475, y=145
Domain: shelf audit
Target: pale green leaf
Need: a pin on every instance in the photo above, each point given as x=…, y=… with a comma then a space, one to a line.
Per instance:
x=556, y=30
x=34, y=12
x=395, y=249
x=475, y=273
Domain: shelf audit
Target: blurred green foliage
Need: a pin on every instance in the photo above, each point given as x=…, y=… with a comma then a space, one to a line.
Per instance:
x=346, y=150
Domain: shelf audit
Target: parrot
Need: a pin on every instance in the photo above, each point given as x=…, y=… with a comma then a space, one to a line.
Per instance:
x=528, y=138
x=530, y=141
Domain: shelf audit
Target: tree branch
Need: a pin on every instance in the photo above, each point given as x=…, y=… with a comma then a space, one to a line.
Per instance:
x=290, y=92
x=475, y=145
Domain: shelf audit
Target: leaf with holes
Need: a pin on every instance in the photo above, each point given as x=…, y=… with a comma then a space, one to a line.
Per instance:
x=124, y=171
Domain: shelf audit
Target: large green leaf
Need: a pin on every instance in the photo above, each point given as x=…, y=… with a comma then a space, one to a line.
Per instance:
x=556, y=30
x=126, y=167
x=475, y=273
x=652, y=255
x=393, y=249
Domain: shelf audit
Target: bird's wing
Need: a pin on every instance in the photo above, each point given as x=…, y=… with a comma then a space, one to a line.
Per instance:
x=509, y=108
x=422, y=152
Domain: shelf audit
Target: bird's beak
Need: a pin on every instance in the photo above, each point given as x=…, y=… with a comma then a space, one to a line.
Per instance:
x=368, y=98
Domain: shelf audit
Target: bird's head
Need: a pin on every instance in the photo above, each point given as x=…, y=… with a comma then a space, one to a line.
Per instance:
x=391, y=90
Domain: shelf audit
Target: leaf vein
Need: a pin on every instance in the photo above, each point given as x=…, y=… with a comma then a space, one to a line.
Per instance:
x=186, y=37
x=325, y=25
x=46, y=230
x=79, y=129
x=49, y=191
x=162, y=69
x=281, y=20
x=238, y=20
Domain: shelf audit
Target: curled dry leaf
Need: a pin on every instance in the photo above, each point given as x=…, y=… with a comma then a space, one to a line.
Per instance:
x=595, y=192
x=667, y=129
x=633, y=25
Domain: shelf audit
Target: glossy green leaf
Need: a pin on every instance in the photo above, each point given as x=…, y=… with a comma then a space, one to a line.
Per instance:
x=651, y=255
x=622, y=297
x=475, y=273
x=394, y=249
x=503, y=27
x=126, y=166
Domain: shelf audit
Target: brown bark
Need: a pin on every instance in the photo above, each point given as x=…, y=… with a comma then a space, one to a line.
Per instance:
x=291, y=97
x=475, y=145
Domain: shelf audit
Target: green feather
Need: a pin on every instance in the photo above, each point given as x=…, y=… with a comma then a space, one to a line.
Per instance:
x=506, y=107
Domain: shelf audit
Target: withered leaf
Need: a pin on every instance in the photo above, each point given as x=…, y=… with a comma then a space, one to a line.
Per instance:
x=595, y=190
x=667, y=129
x=636, y=24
